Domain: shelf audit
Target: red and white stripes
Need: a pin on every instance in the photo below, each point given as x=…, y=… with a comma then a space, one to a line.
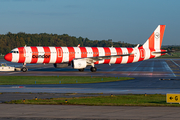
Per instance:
x=95, y=55
x=155, y=40
x=67, y=54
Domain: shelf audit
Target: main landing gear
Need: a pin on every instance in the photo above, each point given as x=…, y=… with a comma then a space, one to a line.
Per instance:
x=24, y=69
x=93, y=69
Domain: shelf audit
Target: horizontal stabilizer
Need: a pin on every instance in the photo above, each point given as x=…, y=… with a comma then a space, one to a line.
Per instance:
x=163, y=52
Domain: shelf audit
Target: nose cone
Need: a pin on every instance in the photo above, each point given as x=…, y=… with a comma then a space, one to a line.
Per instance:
x=8, y=57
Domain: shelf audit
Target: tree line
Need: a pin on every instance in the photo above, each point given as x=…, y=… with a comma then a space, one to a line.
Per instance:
x=10, y=40
x=176, y=48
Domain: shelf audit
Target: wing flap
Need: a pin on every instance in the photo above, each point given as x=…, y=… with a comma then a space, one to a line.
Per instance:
x=99, y=58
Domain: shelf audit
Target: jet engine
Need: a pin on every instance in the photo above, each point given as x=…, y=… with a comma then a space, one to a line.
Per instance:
x=61, y=65
x=79, y=64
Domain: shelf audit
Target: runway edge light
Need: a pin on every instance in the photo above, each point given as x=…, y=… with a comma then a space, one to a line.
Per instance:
x=172, y=98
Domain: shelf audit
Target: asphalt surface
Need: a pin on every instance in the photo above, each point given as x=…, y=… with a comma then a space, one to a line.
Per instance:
x=70, y=112
x=137, y=86
x=148, y=68
x=152, y=76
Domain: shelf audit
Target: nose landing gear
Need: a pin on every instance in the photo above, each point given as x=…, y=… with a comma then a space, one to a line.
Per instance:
x=24, y=69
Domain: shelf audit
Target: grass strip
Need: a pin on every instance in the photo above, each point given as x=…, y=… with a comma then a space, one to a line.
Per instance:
x=119, y=100
x=174, y=55
x=24, y=80
x=1, y=57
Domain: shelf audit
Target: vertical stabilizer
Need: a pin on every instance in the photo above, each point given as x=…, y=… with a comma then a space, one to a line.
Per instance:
x=155, y=40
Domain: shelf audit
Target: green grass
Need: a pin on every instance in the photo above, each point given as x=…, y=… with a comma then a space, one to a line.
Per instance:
x=23, y=80
x=119, y=100
x=1, y=57
x=174, y=55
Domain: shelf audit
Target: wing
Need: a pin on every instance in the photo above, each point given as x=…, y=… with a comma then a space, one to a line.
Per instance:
x=92, y=60
x=99, y=58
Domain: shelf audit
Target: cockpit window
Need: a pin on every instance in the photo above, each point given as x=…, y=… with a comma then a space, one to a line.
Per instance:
x=14, y=52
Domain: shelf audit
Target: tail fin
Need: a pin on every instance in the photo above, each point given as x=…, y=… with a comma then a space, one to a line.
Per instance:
x=155, y=40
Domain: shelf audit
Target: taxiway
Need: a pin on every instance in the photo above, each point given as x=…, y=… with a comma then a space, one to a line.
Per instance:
x=148, y=68
x=159, y=76
x=152, y=76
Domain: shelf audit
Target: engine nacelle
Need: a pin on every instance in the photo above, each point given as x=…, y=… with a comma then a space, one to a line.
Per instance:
x=61, y=65
x=79, y=64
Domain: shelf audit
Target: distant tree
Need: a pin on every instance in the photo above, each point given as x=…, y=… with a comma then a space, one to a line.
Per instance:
x=10, y=41
x=21, y=41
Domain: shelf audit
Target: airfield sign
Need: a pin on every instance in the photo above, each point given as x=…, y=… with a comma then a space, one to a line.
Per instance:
x=172, y=98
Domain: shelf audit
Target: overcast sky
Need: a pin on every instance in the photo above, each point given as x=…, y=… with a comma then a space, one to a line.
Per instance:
x=131, y=21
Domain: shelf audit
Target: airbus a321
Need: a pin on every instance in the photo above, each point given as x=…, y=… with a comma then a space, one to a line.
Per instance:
x=81, y=57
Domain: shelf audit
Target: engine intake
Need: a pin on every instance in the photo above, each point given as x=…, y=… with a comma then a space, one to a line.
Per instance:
x=79, y=64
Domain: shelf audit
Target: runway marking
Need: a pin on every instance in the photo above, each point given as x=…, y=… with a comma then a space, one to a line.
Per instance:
x=167, y=67
x=116, y=67
x=138, y=65
x=175, y=63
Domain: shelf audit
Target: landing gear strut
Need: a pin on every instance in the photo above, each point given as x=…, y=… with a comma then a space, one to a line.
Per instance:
x=93, y=69
x=24, y=69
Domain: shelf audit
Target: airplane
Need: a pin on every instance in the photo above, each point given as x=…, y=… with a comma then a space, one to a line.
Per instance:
x=81, y=57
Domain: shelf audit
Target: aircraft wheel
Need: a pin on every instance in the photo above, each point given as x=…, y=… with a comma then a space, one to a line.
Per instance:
x=93, y=69
x=24, y=69
x=81, y=70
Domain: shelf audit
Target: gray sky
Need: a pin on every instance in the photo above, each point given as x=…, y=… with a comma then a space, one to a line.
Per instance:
x=131, y=21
